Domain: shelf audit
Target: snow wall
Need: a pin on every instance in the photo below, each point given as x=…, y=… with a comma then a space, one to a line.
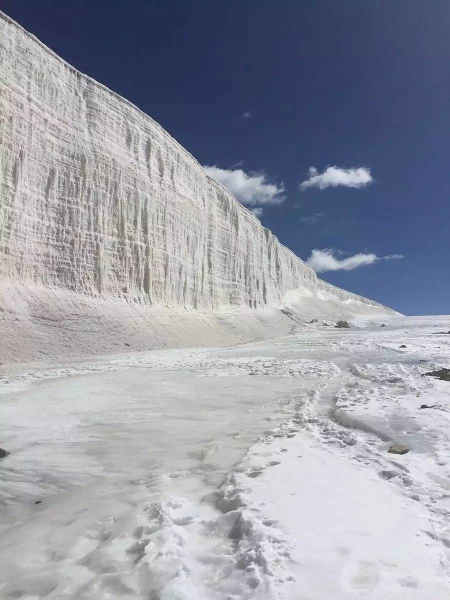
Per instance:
x=99, y=202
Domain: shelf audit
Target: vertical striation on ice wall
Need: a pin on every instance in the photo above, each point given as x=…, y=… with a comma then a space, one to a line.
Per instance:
x=97, y=198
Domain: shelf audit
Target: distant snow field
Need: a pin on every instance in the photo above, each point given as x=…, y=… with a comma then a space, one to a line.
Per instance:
x=259, y=471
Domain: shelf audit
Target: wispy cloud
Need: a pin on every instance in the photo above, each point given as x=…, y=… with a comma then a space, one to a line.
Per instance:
x=335, y=176
x=249, y=188
x=239, y=163
x=258, y=211
x=325, y=260
x=312, y=219
x=247, y=115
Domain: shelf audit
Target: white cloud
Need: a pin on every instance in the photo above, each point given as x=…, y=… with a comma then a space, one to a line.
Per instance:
x=251, y=189
x=335, y=176
x=239, y=163
x=325, y=260
x=258, y=211
x=312, y=219
x=393, y=256
x=247, y=115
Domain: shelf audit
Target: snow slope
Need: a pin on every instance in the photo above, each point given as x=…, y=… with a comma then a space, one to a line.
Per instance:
x=98, y=203
x=257, y=472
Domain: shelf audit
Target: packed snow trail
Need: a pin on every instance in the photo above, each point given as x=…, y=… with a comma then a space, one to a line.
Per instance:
x=254, y=472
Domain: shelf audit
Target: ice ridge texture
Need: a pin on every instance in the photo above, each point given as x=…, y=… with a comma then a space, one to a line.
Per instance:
x=97, y=198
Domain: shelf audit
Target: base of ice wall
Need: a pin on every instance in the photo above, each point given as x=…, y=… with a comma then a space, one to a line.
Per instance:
x=38, y=324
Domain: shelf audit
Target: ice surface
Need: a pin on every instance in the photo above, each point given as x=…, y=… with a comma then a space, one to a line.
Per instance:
x=99, y=203
x=258, y=471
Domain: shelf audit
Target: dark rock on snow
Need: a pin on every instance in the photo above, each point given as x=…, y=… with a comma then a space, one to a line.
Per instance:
x=398, y=449
x=388, y=474
x=443, y=374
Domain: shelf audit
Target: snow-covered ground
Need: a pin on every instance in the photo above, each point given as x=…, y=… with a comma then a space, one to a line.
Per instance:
x=258, y=471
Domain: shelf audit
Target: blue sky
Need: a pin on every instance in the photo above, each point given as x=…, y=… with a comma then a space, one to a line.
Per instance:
x=264, y=90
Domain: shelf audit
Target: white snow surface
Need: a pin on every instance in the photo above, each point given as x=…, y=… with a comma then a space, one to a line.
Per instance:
x=108, y=224
x=234, y=471
x=259, y=471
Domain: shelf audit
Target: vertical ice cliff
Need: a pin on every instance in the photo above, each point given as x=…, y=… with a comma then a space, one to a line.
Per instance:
x=96, y=198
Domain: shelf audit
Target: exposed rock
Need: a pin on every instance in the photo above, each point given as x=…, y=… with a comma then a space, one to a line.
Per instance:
x=443, y=374
x=342, y=324
x=3, y=453
x=398, y=449
x=428, y=406
x=403, y=346
x=255, y=473
x=349, y=441
x=388, y=474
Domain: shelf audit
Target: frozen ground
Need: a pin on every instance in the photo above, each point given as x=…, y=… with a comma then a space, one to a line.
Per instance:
x=259, y=471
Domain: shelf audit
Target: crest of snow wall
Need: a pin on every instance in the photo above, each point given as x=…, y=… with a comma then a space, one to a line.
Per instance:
x=97, y=198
